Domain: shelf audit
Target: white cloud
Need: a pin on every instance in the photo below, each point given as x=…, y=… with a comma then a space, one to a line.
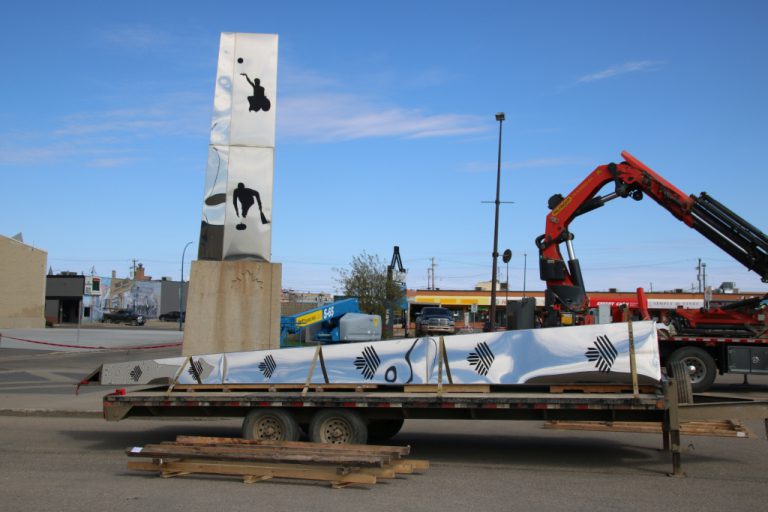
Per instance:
x=329, y=117
x=106, y=138
x=535, y=163
x=621, y=69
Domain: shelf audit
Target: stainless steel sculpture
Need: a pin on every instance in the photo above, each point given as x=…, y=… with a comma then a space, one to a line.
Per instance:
x=584, y=354
x=237, y=208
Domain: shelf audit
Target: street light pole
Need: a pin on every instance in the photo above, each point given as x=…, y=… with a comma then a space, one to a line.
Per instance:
x=500, y=119
x=525, y=270
x=181, y=287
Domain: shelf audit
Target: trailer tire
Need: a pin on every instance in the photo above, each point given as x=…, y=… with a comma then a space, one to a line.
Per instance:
x=338, y=426
x=382, y=430
x=701, y=366
x=269, y=424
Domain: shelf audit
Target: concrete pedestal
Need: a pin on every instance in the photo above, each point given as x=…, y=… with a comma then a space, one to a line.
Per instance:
x=232, y=306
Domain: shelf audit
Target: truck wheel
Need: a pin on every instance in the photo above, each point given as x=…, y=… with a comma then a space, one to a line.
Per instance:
x=382, y=430
x=701, y=366
x=337, y=426
x=268, y=424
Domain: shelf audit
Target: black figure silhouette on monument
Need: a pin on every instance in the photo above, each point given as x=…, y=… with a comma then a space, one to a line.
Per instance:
x=259, y=100
x=246, y=197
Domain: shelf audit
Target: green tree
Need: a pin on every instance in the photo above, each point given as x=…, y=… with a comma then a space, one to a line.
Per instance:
x=366, y=279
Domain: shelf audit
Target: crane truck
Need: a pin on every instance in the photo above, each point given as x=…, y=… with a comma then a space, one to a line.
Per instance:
x=733, y=338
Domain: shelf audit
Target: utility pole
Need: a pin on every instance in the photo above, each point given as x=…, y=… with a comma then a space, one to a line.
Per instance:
x=701, y=275
x=431, y=275
x=698, y=274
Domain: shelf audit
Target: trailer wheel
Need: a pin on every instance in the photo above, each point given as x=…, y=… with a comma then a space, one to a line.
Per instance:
x=382, y=430
x=337, y=426
x=700, y=365
x=268, y=424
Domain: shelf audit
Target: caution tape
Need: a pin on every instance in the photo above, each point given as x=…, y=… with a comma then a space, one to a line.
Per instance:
x=140, y=347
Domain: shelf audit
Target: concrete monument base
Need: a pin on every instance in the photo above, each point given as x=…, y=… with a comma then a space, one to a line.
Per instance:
x=232, y=306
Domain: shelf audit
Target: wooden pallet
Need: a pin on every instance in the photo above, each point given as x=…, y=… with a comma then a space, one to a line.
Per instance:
x=599, y=388
x=254, y=461
x=725, y=428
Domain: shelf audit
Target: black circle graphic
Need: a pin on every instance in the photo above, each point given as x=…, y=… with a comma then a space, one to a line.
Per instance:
x=391, y=374
x=240, y=60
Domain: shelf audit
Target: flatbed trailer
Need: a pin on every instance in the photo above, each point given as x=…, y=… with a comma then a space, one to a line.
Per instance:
x=356, y=413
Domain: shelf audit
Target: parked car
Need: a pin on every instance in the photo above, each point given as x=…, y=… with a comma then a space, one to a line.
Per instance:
x=173, y=316
x=123, y=316
x=435, y=320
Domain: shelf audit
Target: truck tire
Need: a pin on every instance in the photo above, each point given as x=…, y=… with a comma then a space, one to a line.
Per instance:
x=701, y=366
x=382, y=430
x=270, y=424
x=337, y=426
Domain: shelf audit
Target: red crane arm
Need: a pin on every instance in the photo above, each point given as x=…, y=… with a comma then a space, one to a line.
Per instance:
x=632, y=178
x=565, y=288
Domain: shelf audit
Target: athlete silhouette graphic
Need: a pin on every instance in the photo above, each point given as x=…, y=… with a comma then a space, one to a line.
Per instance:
x=246, y=197
x=259, y=100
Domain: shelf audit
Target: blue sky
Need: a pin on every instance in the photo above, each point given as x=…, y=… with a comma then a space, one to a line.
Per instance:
x=386, y=132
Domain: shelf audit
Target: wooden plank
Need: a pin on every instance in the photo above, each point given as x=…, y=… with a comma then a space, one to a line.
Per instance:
x=599, y=388
x=447, y=388
x=317, y=449
x=255, y=471
x=401, y=451
x=240, y=454
x=385, y=472
x=409, y=466
x=704, y=428
x=418, y=465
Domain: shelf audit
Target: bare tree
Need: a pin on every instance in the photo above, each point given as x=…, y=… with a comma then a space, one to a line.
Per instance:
x=366, y=279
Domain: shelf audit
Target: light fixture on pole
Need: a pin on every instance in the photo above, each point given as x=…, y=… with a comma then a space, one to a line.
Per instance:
x=492, y=321
x=181, y=287
x=505, y=258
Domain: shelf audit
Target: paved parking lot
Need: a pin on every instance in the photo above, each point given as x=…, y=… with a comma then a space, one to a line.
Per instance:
x=79, y=464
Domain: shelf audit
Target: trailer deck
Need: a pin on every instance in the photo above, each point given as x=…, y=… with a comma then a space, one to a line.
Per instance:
x=669, y=404
x=521, y=405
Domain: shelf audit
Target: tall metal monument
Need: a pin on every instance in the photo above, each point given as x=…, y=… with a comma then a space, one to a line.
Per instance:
x=237, y=207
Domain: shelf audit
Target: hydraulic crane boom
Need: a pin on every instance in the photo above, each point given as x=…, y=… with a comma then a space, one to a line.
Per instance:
x=565, y=287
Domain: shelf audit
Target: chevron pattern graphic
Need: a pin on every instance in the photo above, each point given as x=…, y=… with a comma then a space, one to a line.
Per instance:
x=136, y=373
x=482, y=358
x=196, y=369
x=267, y=367
x=603, y=354
x=368, y=363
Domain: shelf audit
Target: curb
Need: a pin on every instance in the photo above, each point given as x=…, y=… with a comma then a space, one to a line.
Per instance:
x=51, y=413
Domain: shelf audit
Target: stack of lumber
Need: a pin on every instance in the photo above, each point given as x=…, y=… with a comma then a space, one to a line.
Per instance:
x=253, y=461
x=724, y=428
